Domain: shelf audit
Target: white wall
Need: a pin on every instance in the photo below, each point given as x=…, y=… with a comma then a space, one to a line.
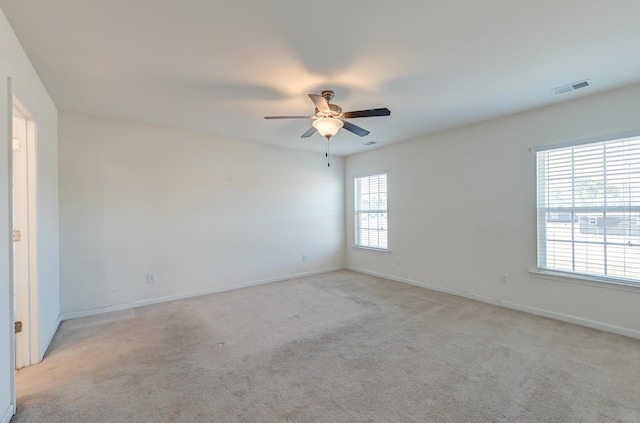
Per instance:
x=462, y=211
x=27, y=85
x=203, y=213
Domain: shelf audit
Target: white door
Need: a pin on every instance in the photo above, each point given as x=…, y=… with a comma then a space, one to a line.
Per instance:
x=20, y=239
x=25, y=273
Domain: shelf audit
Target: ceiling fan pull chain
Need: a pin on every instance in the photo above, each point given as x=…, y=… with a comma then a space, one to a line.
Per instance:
x=327, y=153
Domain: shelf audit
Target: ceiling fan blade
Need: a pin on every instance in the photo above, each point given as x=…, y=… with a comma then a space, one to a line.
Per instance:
x=309, y=132
x=320, y=102
x=367, y=113
x=355, y=129
x=287, y=117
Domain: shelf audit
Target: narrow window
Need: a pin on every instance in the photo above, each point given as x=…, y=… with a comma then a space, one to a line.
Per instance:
x=371, y=211
x=589, y=210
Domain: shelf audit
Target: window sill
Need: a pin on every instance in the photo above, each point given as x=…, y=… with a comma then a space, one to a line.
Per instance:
x=586, y=280
x=375, y=250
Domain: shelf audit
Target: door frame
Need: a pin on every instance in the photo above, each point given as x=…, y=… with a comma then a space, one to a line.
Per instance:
x=27, y=276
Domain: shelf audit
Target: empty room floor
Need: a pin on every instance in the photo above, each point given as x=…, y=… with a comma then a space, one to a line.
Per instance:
x=335, y=347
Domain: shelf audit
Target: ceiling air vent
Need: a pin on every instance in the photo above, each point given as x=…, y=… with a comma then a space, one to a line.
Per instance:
x=571, y=87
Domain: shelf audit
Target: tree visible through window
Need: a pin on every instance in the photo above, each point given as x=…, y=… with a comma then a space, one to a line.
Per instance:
x=371, y=211
x=589, y=209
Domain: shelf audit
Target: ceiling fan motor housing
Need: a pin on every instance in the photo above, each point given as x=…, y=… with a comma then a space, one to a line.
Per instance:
x=334, y=111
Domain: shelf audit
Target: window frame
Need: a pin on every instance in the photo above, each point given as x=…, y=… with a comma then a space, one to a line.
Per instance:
x=358, y=243
x=543, y=213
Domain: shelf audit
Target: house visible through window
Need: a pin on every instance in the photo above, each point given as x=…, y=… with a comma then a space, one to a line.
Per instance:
x=589, y=210
x=371, y=211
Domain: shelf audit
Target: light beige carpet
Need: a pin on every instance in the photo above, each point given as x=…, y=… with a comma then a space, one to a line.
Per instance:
x=338, y=347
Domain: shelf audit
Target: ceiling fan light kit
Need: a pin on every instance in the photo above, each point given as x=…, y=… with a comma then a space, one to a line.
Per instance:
x=328, y=127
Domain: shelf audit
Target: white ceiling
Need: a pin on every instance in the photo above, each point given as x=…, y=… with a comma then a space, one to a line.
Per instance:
x=218, y=67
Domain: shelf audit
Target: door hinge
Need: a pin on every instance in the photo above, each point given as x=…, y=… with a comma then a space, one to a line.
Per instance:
x=17, y=235
x=16, y=144
x=18, y=327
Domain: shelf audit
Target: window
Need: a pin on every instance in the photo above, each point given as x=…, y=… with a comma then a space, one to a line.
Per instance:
x=371, y=211
x=589, y=210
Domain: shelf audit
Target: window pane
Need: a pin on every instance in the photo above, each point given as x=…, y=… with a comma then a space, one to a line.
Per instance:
x=589, y=209
x=371, y=211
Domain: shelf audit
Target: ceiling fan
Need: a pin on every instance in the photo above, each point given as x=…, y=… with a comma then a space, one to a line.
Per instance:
x=329, y=118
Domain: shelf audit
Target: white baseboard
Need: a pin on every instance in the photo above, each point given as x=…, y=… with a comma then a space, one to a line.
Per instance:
x=631, y=333
x=181, y=296
x=7, y=414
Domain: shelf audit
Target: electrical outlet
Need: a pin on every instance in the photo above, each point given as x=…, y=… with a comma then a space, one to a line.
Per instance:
x=151, y=278
x=304, y=258
x=398, y=261
x=504, y=279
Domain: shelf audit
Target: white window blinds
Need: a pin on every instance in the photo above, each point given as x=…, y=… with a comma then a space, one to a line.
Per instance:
x=589, y=209
x=371, y=211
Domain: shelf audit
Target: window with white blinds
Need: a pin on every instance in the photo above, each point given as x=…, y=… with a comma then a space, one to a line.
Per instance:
x=589, y=210
x=371, y=211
